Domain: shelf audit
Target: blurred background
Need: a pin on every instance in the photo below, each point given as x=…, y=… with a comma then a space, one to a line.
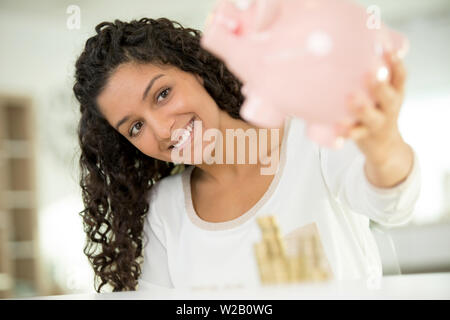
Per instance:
x=41, y=235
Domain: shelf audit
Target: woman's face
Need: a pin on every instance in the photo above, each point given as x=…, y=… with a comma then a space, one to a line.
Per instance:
x=146, y=103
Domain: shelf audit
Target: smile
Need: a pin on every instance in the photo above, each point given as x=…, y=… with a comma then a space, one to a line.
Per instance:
x=186, y=136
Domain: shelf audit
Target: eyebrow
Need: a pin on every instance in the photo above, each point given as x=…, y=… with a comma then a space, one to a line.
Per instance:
x=122, y=121
x=149, y=86
x=144, y=95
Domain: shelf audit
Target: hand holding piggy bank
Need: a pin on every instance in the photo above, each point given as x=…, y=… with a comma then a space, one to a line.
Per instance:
x=301, y=57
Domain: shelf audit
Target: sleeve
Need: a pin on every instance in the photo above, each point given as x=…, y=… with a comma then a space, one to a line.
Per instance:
x=155, y=269
x=345, y=177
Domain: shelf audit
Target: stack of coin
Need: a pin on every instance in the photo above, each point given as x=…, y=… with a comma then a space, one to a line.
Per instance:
x=298, y=257
x=271, y=253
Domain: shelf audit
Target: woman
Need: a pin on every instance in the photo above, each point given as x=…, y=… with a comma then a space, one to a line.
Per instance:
x=149, y=223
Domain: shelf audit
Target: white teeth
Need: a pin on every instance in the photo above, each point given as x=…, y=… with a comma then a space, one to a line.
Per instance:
x=185, y=135
x=190, y=127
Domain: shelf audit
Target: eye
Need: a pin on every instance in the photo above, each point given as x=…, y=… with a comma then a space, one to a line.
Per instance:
x=163, y=94
x=135, y=129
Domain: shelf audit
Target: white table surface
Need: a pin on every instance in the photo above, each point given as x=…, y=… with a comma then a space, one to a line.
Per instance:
x=413, y=286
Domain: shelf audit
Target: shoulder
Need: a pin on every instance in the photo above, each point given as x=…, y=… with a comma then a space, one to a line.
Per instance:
x=166, y=201
x=295, y=131
x=298, y=146
x=164, y=188
x=295, y=124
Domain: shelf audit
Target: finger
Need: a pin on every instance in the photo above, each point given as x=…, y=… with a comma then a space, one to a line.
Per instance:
x=343, y=127
x=366, y=113
x=398, y=72
x=385, y=97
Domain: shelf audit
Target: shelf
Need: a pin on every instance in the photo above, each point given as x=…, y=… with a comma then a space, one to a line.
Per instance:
x=22, y=249
x=15, y=149
x=17, y=121
x=22, y=225
x=3, y=220
x=19, y=256
x=20, y=171
x=25, y=269
x=6, y=282
x=15, y=199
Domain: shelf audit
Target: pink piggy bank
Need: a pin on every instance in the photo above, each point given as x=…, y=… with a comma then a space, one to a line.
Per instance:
x=301, y=58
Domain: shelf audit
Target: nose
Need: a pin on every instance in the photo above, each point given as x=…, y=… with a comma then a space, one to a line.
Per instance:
x=161, y=126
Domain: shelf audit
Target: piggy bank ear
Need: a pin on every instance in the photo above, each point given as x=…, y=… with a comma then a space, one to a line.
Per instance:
x=266, y=12
x=392, y=42
x=399, y=44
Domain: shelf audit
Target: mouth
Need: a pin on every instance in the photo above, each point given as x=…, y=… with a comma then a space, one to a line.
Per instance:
x=185, y=137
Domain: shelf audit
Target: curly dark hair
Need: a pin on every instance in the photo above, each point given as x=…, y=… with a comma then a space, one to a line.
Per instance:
x=115, y=176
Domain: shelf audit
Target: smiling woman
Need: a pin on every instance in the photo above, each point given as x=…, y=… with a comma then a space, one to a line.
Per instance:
x=123, y=78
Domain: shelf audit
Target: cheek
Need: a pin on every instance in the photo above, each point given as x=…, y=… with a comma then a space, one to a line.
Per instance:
x=148, y=145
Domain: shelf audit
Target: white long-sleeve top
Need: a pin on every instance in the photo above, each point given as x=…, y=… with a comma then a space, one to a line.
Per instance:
x=312, y=185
